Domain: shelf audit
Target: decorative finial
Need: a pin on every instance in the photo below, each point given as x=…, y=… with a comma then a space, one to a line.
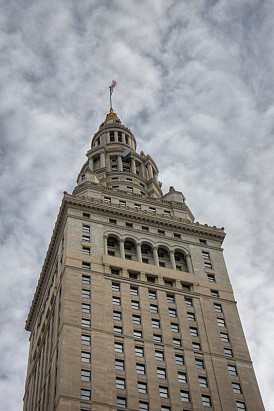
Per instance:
x=111, y=88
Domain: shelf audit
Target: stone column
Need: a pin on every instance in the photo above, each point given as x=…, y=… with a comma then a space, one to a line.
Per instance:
x=116, y=136
x=123, y=138
x=120, y=163
x=90, y=163
x=108, y=137
x=189, y=263
x=108, y=163
x=105, y=245
x=139, y=252
x=122, y=249
x=150, y=171
x=155, y=256
x=102, y=160
x=172, y=260
x=133, y=166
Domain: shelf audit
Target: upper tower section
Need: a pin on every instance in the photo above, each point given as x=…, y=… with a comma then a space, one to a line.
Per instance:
x=113, y=162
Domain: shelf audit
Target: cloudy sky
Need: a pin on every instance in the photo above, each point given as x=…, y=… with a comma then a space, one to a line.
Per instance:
x=195, y=85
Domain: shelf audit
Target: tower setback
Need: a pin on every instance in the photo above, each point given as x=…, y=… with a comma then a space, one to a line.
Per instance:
x=134, y=309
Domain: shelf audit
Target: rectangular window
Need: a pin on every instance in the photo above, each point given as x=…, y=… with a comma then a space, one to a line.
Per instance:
x=236, y=388
x=130, y=189
x=136, y=319
x=174, y=327
x=85, y=322
x=85, y=375
x=190, y=316
x=85, y=339
x=86, y=279
x=165, y=408
x=112, y=221
x=115, y=287
x=199, y=363
x=202, y=241
x=116, y=300
x=129, y=225
x=193, y=331
x=176, y=342
x=137, y=334
x=228, y=352
x=139, y=351
x=86, y=215
x=137, y=206
x=133, y=290
x=117, y=330
x=107, y=199
x=153, y=308
x=118, y=347
x=152, y=294
x=86, y=250
x=121, y=402
x=196, y=346
x=188, y=302
x=167, y=213
x=218, y=308
x=122, y=203
x=86, y=308
x=161, y=372
x=85, y=394
x=157, y=338
x=163, y=392
x=240, y=406
x=182, y=377
x=143, y=406
x=221, y=322
x=140, y=369
x=172, y=312
x=170, y=298
x=205, y=255
x=117, y=315
x=179, y=359
x=85, y=293
x=120, y=383
x=202, y=381
x=206, y=401
x=185, y=397
x=142, y=387
x=214, y=293
x=133, y=275
x=207, y=265
x=145, y=228
x=155, y=323
x=85, y=228
x=114, y=271
x=161, y=232
x=85, y=357
x=232, y=369
x=135, y=305
x=177, y=235
x=85, y=237
x=119, y=364
x=85, y=265
x=151, y=279
x=211, y=278
x=169, y=283
x=159, y=355
x=152, y=210
x=224, y=337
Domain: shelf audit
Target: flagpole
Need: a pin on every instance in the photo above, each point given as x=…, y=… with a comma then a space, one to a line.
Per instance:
x=110, y=102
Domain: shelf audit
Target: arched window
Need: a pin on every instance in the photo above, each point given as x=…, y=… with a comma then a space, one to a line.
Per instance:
x=164, y=259
x=180, y=261
x=147, y=254
x=113, y=246
x=130, y=250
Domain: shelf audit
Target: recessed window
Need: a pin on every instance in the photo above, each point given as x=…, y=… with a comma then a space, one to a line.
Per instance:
x=139, y=351
x=157, y=338
x=176, y=342
x=107, y=199
x=133, y=275
x=159, y=355
x=199, y=363
x=152, y=210
x=153, y=308
x=167, y=213
x=137, y=206
x=186, y=287
x=193, y=331
x=115, y=271
x=122, y=203
x=137, y=334
x=165, y=408
x=129, y=189
x=120, y=383
x=152, y=294
x=85, y=394
x=224, y=337
x=190, y=316
x=202, y=381
x=221, y=322
x=179, y=359
x=214, y=293
x=86, y=279
x=85, y=339
x=188, y=302
x=169, y=283
x=202, y=241
x=119, y=364
x=135, y=305
x=155, y=323
x=85, y=375
x=85, y=293
x=172, y=312
x=85, y=357
x=174, y=327
x=185, y=397
x=118, y=347
x=117, y=315
x=232, y=369
x=143, y=406
x=86, y=308
x=151, y=279
x=228, y=352
x=211, y=278
x=161, y=232
x=129, y=225
x=121, y=402
x=142, y=387
x=236, y=388
x=182, y=377
x=85, y=237
x=112, y=221
x=206, y=401
x=117, y=330
x=86, y=250
x=170, y=298
x=85, y=228
x=145, y=228
x=115, y=287
x=86, y=215
x=205, y=255
x=161, y=372
x=196, y=346
x=114, y=179
x=218, y=308
x=240, y=406
x=136, y=319
x=176, y=235
x=207, y=264
x=140, y=369
x=85, y=322
x=85, y=266
x=116, y=300
x=163, y=392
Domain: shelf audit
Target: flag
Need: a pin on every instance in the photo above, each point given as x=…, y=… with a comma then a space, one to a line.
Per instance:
x=113, y=84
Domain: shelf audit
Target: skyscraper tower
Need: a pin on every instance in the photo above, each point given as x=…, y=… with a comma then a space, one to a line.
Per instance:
x=134, y=308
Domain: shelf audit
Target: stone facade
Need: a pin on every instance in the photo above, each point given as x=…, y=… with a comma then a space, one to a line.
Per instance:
x=134, y=308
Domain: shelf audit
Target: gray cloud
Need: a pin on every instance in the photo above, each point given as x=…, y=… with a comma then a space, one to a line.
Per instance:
x=195, y=85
